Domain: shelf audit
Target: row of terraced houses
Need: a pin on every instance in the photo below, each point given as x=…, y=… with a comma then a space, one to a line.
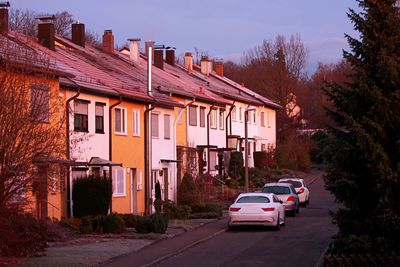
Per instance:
x=139, y=123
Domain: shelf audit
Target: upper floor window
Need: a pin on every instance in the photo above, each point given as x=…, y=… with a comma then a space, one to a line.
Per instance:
x=221, y=119
x=120, y=121
x=193, y=115
x=99, y=112
x=202, y=117
x=154, y=125
x=233, y=114
x=167, y=126
x=262, y=119
x=136, y=122
x=180, y=114
x=249, y=115
x=240, y=114
x=213, y=119
x=81, y=121
x=40, y=102
x=254, y=116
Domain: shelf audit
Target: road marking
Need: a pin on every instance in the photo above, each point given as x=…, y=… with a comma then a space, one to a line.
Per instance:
x=179, y=251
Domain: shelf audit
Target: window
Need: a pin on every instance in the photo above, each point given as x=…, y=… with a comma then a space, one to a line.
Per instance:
x=253, y=199
x=262, y=119
x=120, y=121
x=240, y=114
x=40, y=102
x=263, y=147
x=119, y=182
x=268, y=119
x=180, y=114
x=167, y=126
x=99, y=112
x=81, y=123
x=213, y=160
x=202, y=117
x=254, y=117
x=249, y=116
x=53, y=181
x=136, y=122
x=221, y=119
x=154, y=125
x=193, y=115
x=213, y=119
x=233, y=114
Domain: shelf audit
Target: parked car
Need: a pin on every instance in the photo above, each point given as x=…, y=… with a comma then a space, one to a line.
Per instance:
x=257, y=209
x=286, y=193
x=301, y=189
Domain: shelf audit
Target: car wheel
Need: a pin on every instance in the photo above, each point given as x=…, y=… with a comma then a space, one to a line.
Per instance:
x=278, y=224
x=230, y=227
x=304, y=204
x=308, y=201
x=292, y=213
x=284, y=220
x=298, y=209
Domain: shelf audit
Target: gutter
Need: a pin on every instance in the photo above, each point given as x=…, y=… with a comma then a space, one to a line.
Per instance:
x=69, y=191
x=230, y=124
x=208, y=139
x=110, y=141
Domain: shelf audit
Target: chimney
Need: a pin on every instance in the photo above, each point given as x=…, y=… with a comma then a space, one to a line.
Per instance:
x=108, y=42
x=159, y=58
x=147, y=45
x=219, y=67
x=188, y=61
x=46, y=31
x=170, y=56
x=4, y=17
x=134, y=49
x=78, y=34
x=205, y=65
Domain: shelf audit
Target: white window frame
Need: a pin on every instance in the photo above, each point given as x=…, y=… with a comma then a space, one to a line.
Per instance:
x=123, y=123
x=267, y=113
x=169, y=127
x=262, y=119
x=214, y=119
x=221, y=119
x=136, y=122
x=240, y=114
x=180, y=114
x=234, y=114
x=115, y=182
x=158, y=125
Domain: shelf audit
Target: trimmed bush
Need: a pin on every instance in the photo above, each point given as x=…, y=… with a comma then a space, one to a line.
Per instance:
x=159, y=223
x=143, y=225
x=98, y=223
x=113, y=223
x=188, y=193
x=204, y=215
x=86, y=225
x=91, y=196
x=207, y=207
x=236, y=165
x=175, y=211
x=129, y=219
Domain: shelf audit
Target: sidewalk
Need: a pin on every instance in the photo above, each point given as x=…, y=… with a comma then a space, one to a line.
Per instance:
x=169, y=247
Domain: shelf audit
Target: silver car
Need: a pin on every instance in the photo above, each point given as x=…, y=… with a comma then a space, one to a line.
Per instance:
x=286, y=193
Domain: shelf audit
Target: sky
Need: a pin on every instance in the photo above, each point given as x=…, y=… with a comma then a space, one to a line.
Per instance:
x=223, y=28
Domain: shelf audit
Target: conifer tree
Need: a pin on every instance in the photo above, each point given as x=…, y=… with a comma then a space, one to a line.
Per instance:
x=364, y=160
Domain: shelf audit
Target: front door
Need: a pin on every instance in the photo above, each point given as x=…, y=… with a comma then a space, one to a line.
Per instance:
x=166, y=184
x=133, y=191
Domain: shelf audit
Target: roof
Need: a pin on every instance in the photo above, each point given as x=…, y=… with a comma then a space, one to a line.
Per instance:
x=96, y=161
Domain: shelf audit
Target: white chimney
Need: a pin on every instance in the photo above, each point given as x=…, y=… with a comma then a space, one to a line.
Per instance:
x=205, y=65
x=134, y=49
x=188, y=61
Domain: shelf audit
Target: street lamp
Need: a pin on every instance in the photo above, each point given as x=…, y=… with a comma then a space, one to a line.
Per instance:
x=246, y=148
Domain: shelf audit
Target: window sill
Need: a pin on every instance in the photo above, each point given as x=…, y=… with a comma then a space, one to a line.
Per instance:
x=136, y=135
x=119, y=195
x=81, y=131
x=118, y=133
x=167, y=138
x=97, y=132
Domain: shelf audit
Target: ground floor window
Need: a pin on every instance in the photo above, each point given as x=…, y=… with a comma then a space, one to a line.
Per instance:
x=119, y=182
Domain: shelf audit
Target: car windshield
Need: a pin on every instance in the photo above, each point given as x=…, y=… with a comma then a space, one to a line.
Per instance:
x=253, y=199
x=296, y=184
x=279, y=190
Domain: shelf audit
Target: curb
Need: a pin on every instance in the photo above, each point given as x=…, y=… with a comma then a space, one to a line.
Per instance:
x=184, y=248
x=313, y=180
x=321, y=259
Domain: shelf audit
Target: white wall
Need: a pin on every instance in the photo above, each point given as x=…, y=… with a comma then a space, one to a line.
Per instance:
x=164, y=149
x=91, y=144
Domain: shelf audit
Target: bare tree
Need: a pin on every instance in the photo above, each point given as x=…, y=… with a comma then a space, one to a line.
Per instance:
x=32, y=128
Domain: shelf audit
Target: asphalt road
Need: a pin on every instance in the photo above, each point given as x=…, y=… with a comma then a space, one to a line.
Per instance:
x=299, y=243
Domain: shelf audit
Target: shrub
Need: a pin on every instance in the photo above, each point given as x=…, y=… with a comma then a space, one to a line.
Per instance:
x=175, y=211
x=187, y=191
x=236, y=165
x=159, y=223
x=113, y=223
x=143, y=225
x=294, y=153
x=129, y=219
x=22, y=235
x=71, y=223
x=91, y=196
x=98, y=223
x=86, y=225
x=207, y=207
x=204, y=215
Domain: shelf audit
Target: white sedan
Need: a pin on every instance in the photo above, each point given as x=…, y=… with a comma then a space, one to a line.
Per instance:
x=257, y=209
x=301, y=189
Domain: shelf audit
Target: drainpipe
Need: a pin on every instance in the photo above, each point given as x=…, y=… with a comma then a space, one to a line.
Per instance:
x=208, y=139
x=175, y=123
x=69, y=191
x=230, y=123
x=110, y=142
x=147, y=158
